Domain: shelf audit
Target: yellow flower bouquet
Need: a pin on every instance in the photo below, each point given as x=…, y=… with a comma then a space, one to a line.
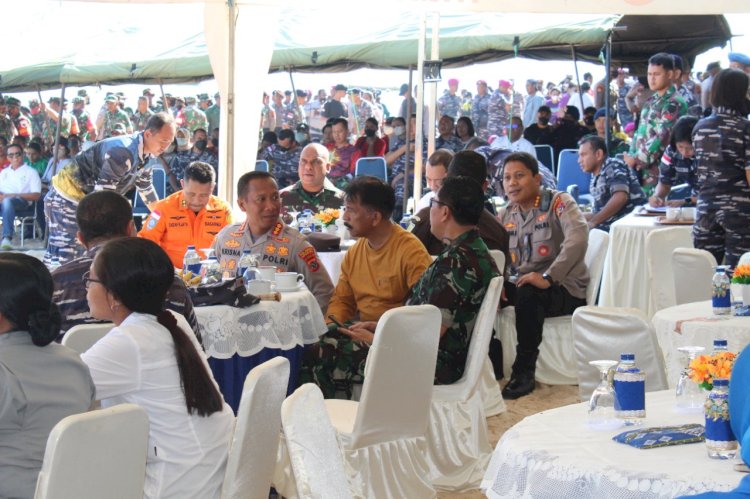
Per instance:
x=741, y=274
x=705, y=368
x=328, y=216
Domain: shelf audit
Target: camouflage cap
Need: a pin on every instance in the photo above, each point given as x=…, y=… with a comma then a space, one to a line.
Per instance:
x=12, y=101
x=189, y=99
x=110, y=98
x=82, y=93
x=119, y=127
x=78, y=100
x=147, y=91
x=203, y=97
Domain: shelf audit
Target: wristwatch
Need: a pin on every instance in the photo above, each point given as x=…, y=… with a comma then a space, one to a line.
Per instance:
x=548, y=278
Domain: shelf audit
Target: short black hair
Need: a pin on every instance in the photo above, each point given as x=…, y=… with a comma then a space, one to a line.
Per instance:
x=465, y=198
x=341, y=121
x=201, y=172
x=243, y=184
x=103, y=215
x=157, y=121
x=662, y=59
x=596, y=143
x=442, y=157
x=270, y=137
x=372, y=193
x=729, y=90
x=469, y=164
x=35, y=146
x=13, y=144
x=286, y=134
x=683, y=130
x=573, y=112
x=398, y=118
x=544, y=109
x=372, y=121
x=527, y=159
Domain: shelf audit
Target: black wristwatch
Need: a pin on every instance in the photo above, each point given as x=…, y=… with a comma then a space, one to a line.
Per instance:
x=548, y=278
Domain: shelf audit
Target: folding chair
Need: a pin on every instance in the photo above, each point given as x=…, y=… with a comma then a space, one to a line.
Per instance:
x=569, y=173
x=546, y=156
x=373, y=166
x=261, y=165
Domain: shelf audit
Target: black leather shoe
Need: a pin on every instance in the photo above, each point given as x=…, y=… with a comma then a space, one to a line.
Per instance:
x=519, y=386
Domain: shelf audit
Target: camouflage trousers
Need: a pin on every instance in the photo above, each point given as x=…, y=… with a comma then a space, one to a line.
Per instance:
x=62, y=228
x=723, y=231
x=334, y=363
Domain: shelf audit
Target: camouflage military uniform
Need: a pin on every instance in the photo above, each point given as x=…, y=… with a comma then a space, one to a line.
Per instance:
x=140, y=119
x=624, y=115
x=213, y=114
x=363, y=111
x=722, y=158
x=112, y=119
x=449, y=105
x=7, y=129
x=456, y=283
x=38, y=123
x=650, y=140
x=284, y=164
x=452, y=144
x=499, y=114
x=280, y=113
x=194, y=118
x=177, y=165
x=676, y=169
x=295, y=198
x=49, y=133
x=283, y=247
x=550, y=238
x=480, y=115
x=615, y=176
x=84, y=122
x=398, y=169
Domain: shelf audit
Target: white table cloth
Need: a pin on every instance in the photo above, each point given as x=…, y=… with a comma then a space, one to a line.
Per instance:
x=694, y=324
x=625, y=282
x=555, y=454
x=295, y=320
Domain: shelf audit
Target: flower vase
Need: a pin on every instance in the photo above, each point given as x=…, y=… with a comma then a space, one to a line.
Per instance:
x=720, y=440
x=331, y=229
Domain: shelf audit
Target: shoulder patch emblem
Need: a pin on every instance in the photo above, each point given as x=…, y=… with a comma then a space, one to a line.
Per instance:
x=559, y=207
x=232, y=243
x=277, y=229
x=152, y=221
x=543, y=250
x=310, y=257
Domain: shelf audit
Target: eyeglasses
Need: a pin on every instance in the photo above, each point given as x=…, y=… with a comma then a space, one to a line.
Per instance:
x=14, y=154
x=433, y=201
x=86, y=280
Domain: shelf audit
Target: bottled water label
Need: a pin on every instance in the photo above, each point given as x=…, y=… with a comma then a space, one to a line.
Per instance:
x=630, y=395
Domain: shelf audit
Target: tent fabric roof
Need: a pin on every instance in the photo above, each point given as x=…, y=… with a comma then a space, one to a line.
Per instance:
x=464, y=39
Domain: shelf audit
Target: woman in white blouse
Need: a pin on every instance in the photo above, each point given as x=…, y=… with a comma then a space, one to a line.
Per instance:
x=149, y=358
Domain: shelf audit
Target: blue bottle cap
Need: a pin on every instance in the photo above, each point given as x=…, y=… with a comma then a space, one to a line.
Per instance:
x=720, y=343
x=721, y=382
x=191, y=247
x=627, y=356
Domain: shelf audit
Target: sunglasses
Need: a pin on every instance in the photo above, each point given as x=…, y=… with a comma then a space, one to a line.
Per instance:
x=14, y=154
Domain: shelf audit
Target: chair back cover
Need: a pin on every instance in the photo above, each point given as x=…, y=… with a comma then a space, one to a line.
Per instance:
x=312, y=445
x=252, y=455
x=397, y=391
x=83, y=336
x=261, y=165
x=603, y=333
x=96, y=454
x=693, y=270
x=594, y=259
x=659, y=247
x=372, y=166
x=499, y=258
x=569, y=172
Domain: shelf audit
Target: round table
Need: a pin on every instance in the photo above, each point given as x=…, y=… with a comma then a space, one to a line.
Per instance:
x=238, y=339
x=555, y=454
x=695, y=324
x=625, y=277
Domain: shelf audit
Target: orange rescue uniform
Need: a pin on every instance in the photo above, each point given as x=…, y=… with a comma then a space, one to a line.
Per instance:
x=174, y=226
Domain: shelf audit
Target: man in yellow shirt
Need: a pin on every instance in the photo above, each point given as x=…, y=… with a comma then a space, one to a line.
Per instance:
x=192, y=216
x=376, y=275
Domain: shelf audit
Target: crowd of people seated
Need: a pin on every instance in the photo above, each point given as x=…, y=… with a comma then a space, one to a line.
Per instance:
x=153, y=357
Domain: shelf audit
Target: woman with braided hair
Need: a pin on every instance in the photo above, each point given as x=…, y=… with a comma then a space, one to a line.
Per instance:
x=150, y=358
x=41, y=382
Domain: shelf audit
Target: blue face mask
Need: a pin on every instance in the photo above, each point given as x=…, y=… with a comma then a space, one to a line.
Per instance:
x=300, y=137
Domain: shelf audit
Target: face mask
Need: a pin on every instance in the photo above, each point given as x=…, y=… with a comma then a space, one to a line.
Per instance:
x=182, y=142
x=589, y=121
x=388, y=129
x=300, y=137
x=170, y=149
x=201, y=145
x=399, y=130
x=369, y=132
x=544, y=121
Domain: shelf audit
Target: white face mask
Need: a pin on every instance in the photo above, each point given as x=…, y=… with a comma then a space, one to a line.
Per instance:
x=182, y=142
x=399, y=130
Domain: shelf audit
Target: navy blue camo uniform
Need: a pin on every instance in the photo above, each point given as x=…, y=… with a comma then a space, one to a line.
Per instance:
x=722, y=157
x=615, y=176
x=675, y=169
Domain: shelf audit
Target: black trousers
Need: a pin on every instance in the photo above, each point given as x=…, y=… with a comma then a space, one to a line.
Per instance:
x=533, y=305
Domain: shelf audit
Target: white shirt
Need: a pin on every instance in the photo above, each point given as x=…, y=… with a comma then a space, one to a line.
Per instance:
x=424, y=201
x=523, y=145
x=135, y=363
x=24, y=180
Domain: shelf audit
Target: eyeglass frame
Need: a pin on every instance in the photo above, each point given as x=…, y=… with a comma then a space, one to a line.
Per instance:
x=435, y=200
x=86, y=280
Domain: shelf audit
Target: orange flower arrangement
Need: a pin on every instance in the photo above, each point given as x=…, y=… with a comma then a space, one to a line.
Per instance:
x=328, y=216
x=741, y=274
x=705, y=368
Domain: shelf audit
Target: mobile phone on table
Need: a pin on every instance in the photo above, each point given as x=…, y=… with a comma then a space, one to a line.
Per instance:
x=335, y=321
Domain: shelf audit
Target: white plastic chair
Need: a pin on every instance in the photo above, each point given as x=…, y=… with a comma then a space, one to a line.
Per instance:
x=490, y=388
x=659, y=247
x=556, y=362
x=692, y=270
x=96, y=454
x=83, y=336
x=252, y=454
x=314, y=452
x=383, y=435
x=603, y=333
x=458, y=445
x=744, y=259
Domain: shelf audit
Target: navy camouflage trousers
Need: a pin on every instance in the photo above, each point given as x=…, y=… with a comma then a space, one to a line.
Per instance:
x=62, y=228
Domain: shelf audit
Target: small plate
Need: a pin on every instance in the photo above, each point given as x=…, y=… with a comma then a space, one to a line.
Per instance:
x=664, y=221
x=289, y=290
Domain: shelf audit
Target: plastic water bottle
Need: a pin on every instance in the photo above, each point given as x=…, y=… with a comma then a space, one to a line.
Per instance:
x=719, y=347
x=247, y=260
x=630, y=391
x=405, y=221
x=191, y=261
x=720, y=440
x=721, y=300
x=210, y=271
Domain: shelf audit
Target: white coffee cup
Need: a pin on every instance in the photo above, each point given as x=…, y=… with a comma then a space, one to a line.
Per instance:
x=267, y=272
x=688, y=213
x=258, y=286
x=288, y=280
x=673, y=214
